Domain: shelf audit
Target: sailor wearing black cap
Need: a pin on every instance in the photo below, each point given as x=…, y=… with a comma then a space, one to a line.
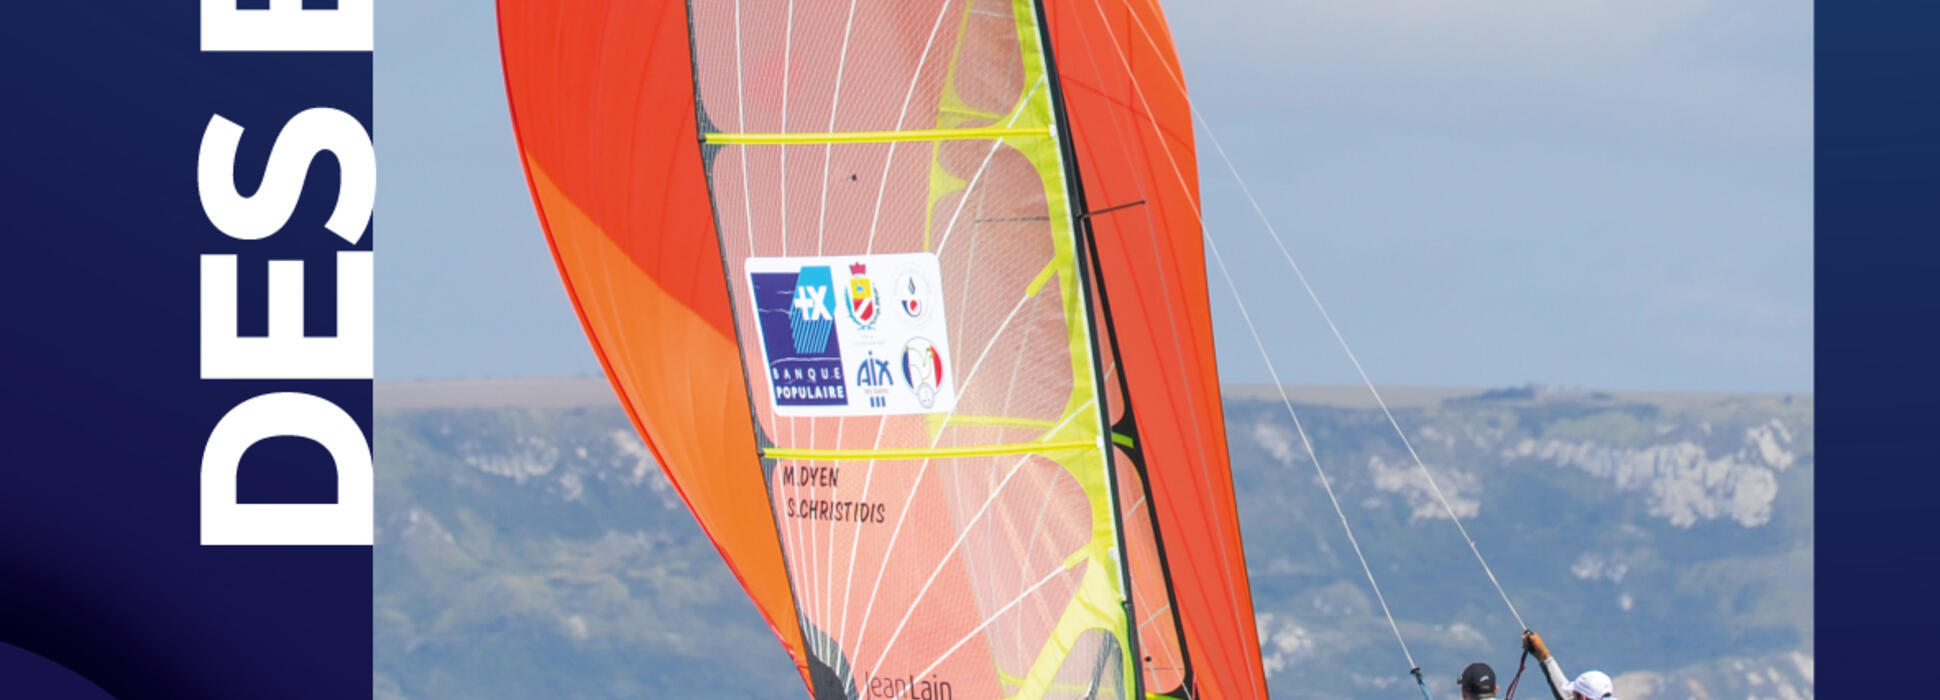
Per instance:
x=1477, y=682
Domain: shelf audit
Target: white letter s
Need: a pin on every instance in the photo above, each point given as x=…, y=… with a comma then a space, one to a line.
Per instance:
x=310, y=132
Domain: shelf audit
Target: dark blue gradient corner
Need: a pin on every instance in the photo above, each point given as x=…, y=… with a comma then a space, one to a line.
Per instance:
x=101, y=567
x=23, y=674
x=1878, y=260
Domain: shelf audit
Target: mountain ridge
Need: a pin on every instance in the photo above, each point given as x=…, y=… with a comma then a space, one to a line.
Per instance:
x=528, y=546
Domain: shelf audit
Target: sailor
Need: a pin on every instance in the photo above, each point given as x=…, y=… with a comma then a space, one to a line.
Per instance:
x=1477, y=682
x=1592, y=685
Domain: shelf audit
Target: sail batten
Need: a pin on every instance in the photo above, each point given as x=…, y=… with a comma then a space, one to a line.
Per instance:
x=933, y=452
x=777, y=139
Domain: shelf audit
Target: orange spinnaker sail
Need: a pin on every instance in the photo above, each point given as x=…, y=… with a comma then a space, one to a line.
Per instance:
x=908, y=299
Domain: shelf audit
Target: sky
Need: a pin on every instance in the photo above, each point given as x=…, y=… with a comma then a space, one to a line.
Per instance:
x=1613, y=195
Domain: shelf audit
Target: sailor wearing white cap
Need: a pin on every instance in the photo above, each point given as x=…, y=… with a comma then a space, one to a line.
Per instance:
x=1592, y=685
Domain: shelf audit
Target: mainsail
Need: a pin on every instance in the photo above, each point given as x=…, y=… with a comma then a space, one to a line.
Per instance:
x=908, y=299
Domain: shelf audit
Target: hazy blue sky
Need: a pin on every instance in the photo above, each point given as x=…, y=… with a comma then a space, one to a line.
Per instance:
x=1608, y=194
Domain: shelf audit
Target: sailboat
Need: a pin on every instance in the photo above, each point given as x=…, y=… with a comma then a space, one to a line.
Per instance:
x=908, y=298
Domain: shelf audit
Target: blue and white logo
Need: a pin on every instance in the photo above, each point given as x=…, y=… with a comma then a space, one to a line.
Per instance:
x=795, y=314
x=874, y=378
x=813, y=315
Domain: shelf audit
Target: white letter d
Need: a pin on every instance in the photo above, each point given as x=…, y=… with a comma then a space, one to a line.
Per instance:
x=346, y=522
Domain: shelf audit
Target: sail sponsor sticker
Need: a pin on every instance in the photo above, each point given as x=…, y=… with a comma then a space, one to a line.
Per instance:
x=853, y=336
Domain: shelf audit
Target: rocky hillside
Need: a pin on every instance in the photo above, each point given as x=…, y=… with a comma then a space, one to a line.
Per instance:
x=529, y=547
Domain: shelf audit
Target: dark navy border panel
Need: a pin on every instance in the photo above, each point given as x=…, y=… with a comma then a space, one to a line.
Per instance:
x=101, y=569
x=1878, y=323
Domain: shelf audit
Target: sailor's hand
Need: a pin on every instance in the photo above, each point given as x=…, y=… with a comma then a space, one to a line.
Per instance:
x=1533, y=643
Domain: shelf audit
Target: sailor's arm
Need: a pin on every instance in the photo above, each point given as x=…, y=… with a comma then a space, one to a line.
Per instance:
x=1552, y=671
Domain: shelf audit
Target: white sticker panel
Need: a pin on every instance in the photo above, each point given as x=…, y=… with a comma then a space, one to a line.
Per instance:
x=853, y=336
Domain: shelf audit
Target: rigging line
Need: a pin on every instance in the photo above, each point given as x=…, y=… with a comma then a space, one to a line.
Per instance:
x=1311, y=454
x=1436, y=488
x=1342, y=339
x=1152, y=236
x=1181, y=659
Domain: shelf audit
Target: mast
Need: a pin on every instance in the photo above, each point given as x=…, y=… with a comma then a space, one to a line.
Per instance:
x=1080, y=227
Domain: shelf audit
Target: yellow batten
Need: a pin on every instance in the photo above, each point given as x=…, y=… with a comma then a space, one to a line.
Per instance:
x=988, y=132
x=929, y=452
